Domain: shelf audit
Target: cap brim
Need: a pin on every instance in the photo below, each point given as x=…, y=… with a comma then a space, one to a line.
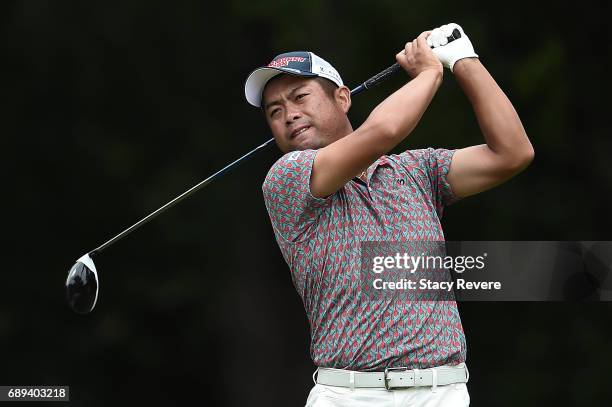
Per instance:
x=257, y=80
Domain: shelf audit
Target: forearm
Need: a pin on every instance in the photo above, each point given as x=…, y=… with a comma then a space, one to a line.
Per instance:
x=499, y=122
x=399, y=114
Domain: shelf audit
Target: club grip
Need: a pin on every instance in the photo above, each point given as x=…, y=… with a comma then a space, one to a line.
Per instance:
x=381, y=76
x=384, y=75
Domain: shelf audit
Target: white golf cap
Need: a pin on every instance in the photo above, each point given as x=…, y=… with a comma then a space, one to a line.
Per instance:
x=299, y=63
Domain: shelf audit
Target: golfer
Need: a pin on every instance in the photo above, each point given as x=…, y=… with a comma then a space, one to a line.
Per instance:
x=335, y=187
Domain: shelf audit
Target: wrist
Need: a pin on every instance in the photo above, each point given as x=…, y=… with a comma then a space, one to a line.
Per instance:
x=464, y=65
x=435, y=73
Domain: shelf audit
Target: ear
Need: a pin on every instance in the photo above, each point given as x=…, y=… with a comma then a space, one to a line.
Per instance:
x=343, y=98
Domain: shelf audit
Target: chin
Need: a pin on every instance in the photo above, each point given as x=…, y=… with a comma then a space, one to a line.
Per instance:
x=308, y=146
x=313, y=142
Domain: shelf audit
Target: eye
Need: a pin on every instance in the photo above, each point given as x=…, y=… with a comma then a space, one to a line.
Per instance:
x=300, y=96
x=274, y=112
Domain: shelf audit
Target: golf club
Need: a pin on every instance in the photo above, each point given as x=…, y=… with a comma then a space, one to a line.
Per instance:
x=82, y=284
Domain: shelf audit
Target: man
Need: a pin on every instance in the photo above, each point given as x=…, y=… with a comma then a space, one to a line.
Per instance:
x=335, y=188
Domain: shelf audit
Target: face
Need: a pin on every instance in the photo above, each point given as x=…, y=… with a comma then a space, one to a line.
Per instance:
x=302, y=115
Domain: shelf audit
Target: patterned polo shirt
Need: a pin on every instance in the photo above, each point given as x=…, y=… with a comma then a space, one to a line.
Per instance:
x=320, y=238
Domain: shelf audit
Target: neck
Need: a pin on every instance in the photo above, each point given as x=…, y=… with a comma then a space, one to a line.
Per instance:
x=345, y=130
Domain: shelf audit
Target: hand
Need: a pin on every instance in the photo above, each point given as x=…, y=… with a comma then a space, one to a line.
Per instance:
x=449, y=53
x=418, y=57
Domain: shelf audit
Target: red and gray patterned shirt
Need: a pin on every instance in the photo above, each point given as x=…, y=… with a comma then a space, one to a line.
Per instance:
x=320, y=240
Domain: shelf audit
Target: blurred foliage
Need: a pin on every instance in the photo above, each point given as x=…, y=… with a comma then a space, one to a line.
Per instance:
x=111, y=108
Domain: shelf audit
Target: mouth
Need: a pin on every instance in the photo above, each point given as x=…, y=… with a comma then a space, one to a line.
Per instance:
x=298, y=131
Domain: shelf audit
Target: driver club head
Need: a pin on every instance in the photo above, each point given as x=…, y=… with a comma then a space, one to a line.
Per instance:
x=82, y=285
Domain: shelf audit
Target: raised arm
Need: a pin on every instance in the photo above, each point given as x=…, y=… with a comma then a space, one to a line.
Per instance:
x=507, y=150
x=388, y=124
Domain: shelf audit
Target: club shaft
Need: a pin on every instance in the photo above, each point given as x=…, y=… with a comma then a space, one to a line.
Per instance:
x=178, y=199
x=370, y=83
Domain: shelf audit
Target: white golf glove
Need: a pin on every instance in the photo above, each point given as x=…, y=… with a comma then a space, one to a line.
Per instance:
x=449, y=53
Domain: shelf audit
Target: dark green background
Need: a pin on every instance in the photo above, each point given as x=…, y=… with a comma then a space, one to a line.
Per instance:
x=111, y=108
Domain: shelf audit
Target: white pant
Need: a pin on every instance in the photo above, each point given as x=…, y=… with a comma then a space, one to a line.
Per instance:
x=452, y=395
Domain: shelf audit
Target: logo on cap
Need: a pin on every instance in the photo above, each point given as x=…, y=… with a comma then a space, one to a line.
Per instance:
x=284, y=61
x=329, y=71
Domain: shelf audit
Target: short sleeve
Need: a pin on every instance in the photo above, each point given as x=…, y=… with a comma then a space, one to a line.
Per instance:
x=291, y=206
x=433, y=165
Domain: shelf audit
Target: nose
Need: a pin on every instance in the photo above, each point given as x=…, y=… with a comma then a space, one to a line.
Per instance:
x=292, y=114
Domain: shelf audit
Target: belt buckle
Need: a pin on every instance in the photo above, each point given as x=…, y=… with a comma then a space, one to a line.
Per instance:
x=392, y=369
